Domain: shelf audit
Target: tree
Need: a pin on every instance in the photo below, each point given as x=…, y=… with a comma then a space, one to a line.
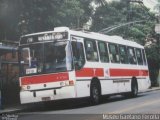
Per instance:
x=8, y=19
x=115, y=13
x=70, y=13
x=154, y=51
x=19, y=17
x=100, y=2
x=40, y=15
x=157, y=6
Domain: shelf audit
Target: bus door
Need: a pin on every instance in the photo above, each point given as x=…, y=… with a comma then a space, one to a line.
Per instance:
x=78, y=57
x=78, y=52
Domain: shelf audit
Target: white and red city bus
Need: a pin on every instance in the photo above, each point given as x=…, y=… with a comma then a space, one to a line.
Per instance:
x=64, y=63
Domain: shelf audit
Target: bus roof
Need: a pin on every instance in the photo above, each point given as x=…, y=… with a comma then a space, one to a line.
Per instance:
x=92, y=35
x=107, y=38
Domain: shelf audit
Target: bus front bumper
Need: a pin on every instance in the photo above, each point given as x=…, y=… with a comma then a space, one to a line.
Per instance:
x=47, y=95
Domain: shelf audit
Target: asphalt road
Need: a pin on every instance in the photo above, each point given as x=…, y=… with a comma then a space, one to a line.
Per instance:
x=145, y=103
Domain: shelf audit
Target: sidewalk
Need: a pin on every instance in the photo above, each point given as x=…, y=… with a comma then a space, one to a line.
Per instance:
x=13, y=110
x=20, y=108
x=152, y=89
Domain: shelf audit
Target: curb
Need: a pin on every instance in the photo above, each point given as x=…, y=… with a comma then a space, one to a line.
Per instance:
x=3, y=112
x=153, y=89
x=150, y=90
x=15, y=110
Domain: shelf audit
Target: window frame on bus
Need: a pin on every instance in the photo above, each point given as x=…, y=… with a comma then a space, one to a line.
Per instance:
x=93, y=56
x=77, y=64
x=111, y=57
x=144, y=57
x=125, y=56
x=105, y=54
x=139, y=60
x=133, y=60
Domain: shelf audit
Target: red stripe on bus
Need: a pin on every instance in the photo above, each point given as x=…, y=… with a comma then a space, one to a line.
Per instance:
x=128, y=72
x=90, y=72
x=44, y=78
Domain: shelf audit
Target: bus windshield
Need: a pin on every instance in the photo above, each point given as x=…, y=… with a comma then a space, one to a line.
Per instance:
x=46, y=57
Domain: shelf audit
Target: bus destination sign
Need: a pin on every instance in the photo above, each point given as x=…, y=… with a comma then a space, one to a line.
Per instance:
x=44, y=37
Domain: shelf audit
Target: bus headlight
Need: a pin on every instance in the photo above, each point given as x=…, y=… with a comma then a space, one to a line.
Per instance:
x=28, y=87
x=23, y=88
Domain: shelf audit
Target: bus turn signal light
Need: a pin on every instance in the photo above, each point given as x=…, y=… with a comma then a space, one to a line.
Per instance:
x=69, y=83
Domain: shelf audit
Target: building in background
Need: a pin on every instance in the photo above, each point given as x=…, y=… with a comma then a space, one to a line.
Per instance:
x=9, y=71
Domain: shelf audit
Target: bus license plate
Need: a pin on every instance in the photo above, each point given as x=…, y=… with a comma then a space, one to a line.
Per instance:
x=46, y=98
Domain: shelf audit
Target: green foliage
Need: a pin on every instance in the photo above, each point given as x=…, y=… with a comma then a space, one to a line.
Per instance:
x=8, y=19
x=51, y=13
x=19, y=17
x=108, y=15
x=73, y=14
x=116, y=13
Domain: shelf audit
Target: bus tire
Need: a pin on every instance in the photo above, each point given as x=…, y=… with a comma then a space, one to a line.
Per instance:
x=134, y=88
x=95, y=93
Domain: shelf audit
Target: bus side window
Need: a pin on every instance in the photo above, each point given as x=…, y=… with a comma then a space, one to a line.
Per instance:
x=123, y=54
x=91, y=50
x=131, y=56
x=78, y=54
x=114, y=54
x=139, y=56
x=144, y=58
x=103, y=52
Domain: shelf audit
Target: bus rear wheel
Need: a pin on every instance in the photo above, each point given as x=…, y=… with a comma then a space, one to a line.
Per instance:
x=95, y=94
x=134, y=89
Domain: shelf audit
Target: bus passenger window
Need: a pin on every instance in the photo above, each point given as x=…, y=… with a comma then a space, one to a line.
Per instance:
x=91, y=50
x=144, y=58
x=139, y=56
x=78, y=54
x=131, y=56
x=123, y=54
x=103, y=52
x=114, y=54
